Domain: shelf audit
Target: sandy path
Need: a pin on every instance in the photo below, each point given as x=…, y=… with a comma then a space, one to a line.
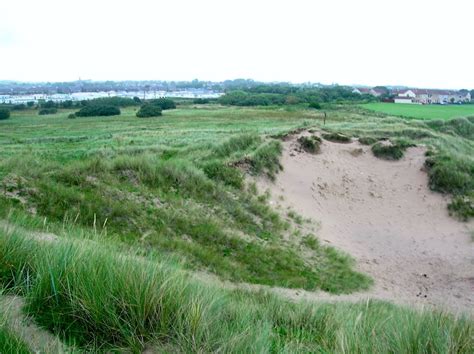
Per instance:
x=383, y=214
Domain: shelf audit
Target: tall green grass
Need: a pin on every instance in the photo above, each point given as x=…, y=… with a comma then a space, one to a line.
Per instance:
x=100, y=299
x=200, y=211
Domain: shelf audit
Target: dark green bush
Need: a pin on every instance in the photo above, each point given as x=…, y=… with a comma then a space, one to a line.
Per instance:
x=111, y=101
x=46, y=111
x=149, y=110
x=4, y=113
x=201, y=101
x=66, y=104
x=164, y=103
x=19, y=107
x=98, y=110
x=48, y=104
x=72, y=116
x=315, y=105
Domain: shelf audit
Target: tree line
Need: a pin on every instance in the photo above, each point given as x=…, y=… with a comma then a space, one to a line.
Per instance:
x=268, y=95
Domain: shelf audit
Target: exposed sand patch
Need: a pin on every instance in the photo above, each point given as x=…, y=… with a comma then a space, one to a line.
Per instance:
x=382, y=213
x=38, y=339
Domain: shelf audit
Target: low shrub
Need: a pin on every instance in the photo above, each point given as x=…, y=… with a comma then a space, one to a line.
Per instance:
x=72, y=116
x=48, y=104
x=111, y=101
x=164, y=103
x=4, y=113
x=337, y=137
x=67, y=104
x=310, y=144
x=97, y=111
x=149, y=110
x=19, y=107
x=315, y=105
x=47, y=111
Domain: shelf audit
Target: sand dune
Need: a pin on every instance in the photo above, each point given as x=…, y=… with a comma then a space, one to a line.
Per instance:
x=382, y=213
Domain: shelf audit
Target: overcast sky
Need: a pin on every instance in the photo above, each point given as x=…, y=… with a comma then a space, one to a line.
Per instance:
x=423, y=43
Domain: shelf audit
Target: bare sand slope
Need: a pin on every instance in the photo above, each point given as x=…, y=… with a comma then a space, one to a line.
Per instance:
x=382, y=213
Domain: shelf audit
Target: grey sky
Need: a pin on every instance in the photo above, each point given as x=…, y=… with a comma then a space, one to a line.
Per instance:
x=417, y=43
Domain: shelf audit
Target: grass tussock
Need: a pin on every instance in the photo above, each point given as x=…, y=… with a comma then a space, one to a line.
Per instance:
x=390, y=151
x=337, y=137
x=454, y=175
x=311, y=144
x=367, y=140
x=99, y=299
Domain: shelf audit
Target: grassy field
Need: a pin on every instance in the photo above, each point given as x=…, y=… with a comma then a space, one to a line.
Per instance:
x=109, y=218
x=422, y=111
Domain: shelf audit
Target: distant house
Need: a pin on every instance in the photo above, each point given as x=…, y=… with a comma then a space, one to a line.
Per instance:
x=361, y=90
x=431, y=96
x=403, y=99
x=407, y=93
x=369, y=91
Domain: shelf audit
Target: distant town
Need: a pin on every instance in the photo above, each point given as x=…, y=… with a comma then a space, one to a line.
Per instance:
x=416, y=95
x=13, y=92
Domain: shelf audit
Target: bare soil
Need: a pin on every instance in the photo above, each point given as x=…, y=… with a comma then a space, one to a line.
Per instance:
x=383, y=214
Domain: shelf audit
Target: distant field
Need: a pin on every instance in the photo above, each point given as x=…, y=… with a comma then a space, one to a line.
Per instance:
x=422, y=111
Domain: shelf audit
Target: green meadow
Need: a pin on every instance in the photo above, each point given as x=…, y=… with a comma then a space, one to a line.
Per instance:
x=114, y=229
x=422, y=111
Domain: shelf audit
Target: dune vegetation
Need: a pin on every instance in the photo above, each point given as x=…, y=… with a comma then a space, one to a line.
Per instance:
x=114, y=230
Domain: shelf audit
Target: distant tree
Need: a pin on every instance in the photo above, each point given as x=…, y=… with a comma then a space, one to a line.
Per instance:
x=4, y=113
x=291, y=99
x=137, y=99
x=452, y=100
x=201, y=101
x=472, y=95
x=48, y=104
x=98, y=110
x=112, y=101
x=67, y=104
x=30, y=104
x=149, y=110
x=19, y=107
x=46, y=111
